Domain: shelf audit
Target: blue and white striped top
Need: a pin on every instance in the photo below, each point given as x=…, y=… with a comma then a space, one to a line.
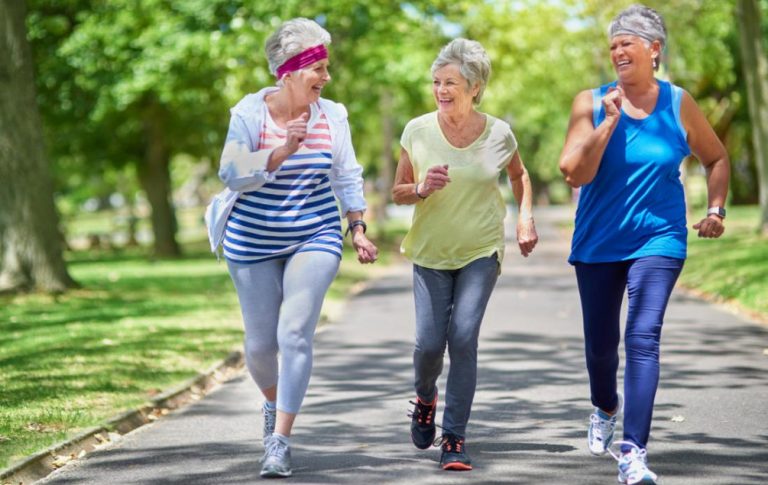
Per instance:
x=295, y=212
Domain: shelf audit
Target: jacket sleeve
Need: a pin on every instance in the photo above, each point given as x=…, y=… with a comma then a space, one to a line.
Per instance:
x=243, y=167
x=347, y=174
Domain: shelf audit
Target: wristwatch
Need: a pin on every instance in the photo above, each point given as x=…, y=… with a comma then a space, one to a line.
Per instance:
x=716, y=210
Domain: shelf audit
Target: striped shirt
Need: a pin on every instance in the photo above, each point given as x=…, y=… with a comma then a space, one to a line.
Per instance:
x=294, y=213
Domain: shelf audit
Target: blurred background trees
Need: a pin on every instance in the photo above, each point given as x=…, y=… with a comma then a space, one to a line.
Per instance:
x=134, y=94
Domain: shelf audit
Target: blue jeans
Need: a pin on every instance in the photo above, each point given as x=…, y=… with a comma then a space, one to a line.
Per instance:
x=649, y=282
x=450, y=305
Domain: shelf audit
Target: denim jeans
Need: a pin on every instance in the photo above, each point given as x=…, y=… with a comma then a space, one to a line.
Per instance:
x=450, y=305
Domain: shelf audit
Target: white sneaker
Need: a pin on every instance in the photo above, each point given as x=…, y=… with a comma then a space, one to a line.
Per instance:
x=633, y=466
x=276, y=462
x=601, y=429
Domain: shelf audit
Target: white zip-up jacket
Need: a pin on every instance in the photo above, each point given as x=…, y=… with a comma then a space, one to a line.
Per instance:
x=243, y=168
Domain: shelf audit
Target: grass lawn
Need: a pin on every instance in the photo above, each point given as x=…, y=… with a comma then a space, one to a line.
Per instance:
x=136, y=328
x=733, y=267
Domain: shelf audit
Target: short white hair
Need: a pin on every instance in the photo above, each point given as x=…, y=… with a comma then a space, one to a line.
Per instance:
x=641, y=21
x=292, y=37
x=472, y=60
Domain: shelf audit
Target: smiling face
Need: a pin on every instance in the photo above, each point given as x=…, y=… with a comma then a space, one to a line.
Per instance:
x=451, y=90
x=632, y=56
x=306, y=84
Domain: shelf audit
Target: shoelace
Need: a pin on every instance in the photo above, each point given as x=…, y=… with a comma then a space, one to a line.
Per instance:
x=270, y=417
x=424, y=415
x=452, y=444
x=424, y=412
x=604, y=426
x=636, y=458
x=636, y=450
x=274, y=448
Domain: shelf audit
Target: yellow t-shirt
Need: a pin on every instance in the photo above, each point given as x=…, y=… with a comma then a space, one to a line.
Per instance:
x=465, y=220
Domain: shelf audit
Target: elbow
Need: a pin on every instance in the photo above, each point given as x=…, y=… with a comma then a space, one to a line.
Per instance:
x=569, y=177
x=573, y=183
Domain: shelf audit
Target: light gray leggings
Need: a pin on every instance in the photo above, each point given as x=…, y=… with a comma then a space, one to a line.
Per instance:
x=280, y=300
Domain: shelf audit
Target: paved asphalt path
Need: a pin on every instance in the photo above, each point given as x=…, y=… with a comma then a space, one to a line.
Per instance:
x=528, y=424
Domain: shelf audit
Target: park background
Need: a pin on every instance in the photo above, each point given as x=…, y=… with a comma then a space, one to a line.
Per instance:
x=113, y=114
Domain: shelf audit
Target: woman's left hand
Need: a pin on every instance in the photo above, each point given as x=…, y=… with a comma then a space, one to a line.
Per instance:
x=367, y=252
x=710, y=227
x=526, y=236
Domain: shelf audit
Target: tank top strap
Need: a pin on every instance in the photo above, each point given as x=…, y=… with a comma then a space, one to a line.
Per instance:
x=677, y=100
x=597, y=103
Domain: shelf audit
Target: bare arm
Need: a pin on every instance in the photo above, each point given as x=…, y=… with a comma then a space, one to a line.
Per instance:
x=521, y=189
x=585, y=144
x=405, y=189
x=367, y=252
x=708, y=149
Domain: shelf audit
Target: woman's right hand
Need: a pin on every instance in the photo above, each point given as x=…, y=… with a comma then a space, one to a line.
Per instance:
x=296, y=132
x=437, y=178
x=612, y=101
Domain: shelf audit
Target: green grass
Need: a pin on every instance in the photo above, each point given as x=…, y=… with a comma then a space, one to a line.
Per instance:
x=136, y=328
x=733, y=267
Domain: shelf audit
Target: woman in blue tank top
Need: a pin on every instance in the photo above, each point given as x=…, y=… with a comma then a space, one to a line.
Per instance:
x=623, y=149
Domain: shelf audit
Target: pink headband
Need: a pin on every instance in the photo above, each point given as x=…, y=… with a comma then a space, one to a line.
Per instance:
x=302, y=60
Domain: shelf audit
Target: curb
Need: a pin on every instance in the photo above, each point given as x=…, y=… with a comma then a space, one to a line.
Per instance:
x=45, y=462
x=730, y=306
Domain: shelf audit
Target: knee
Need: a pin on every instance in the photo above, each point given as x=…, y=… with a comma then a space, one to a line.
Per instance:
x=259, y=350
x=642, y=344
x=295, y=343
x=463, y=340
x=429, y=352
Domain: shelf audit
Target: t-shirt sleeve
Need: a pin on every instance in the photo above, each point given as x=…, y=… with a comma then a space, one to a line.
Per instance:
x=507, y=145
x=406, y=138
x=511, y=142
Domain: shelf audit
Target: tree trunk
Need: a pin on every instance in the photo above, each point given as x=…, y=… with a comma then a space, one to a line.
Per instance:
x=755, y=67
x=387, y=168
x=155, y=178
x=30, y=242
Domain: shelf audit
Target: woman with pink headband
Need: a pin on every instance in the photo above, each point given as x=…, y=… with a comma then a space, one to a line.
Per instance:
x=288, y=163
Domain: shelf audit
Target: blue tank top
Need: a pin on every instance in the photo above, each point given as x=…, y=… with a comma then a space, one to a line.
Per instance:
x=635, y=205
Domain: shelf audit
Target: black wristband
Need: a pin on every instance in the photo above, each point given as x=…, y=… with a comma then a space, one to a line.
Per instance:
x=355, y=223
x=416, y=189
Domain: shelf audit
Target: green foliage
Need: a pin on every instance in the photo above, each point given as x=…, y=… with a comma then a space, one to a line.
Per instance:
x=104, y=67
x=733, y=267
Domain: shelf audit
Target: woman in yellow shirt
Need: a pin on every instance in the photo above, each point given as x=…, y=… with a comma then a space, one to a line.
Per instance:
x=449, y=167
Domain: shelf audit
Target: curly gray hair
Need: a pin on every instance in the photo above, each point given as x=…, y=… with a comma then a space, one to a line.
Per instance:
x=472, y=60
x=292, y=37
x=641, y=21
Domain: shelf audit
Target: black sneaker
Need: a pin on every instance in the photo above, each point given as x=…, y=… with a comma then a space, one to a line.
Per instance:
x=454, y=455
x=423, y=423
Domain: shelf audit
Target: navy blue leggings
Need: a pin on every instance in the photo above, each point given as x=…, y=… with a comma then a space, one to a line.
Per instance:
x=649, y=282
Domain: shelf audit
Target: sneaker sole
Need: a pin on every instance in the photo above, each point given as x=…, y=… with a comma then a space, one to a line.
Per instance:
x=275, y=474
x=644, y=481
x=456, y=466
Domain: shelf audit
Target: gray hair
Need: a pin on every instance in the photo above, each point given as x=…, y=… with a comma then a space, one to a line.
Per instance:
x=472, y=60
x=292, y=37
x=641, y=21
